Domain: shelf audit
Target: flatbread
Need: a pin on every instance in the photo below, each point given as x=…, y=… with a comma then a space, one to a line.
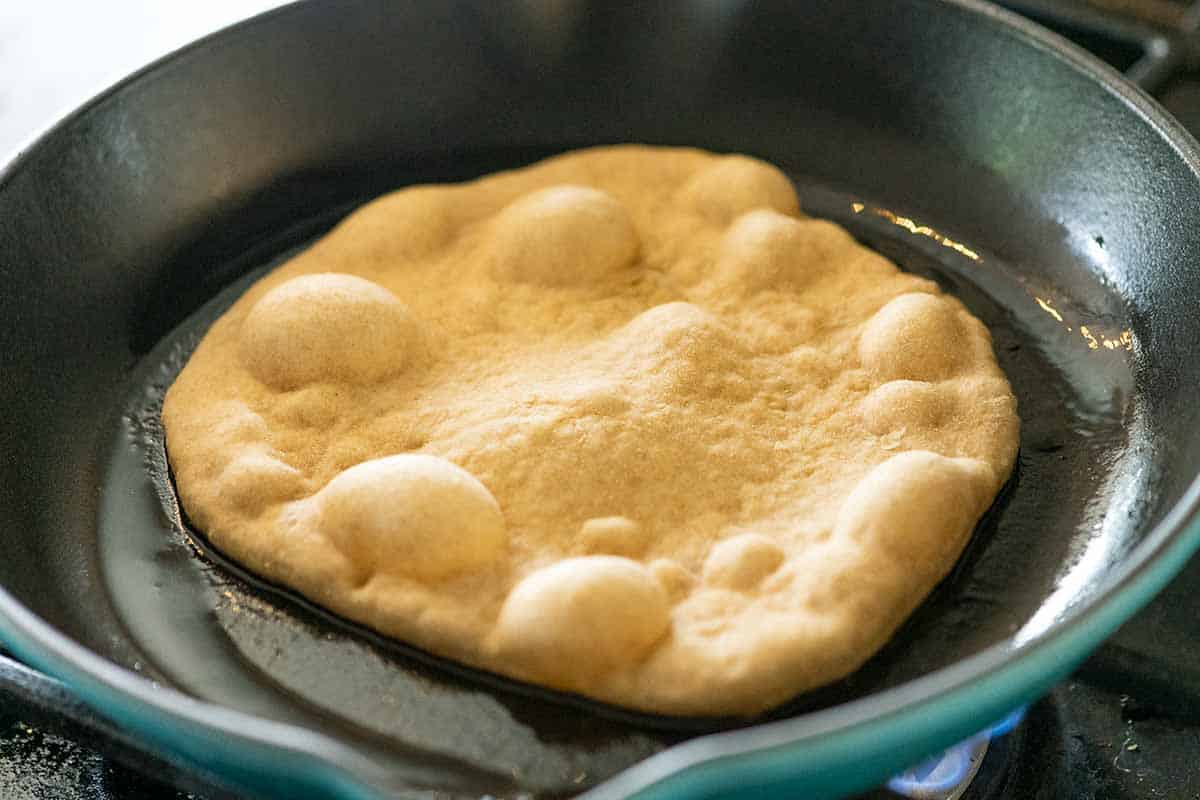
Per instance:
x=624, y=423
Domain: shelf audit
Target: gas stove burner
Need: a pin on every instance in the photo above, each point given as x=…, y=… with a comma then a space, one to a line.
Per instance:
x=948, y=776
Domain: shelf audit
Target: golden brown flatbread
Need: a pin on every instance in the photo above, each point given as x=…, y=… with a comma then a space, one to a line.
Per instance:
x=624, y=423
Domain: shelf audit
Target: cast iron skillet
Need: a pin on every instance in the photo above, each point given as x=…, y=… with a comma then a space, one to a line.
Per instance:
x=1052, y=197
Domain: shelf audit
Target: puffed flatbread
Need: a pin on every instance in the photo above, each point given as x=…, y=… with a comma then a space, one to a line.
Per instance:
x=624, y=423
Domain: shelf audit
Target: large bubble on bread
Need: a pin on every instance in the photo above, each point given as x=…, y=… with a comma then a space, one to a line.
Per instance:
x=408, y=224
x=916, y=336
x=563, y=236
x=916, y=508
x=326, y=327
x=583, y=617
x=765, y=249
x=736, y=184
x=682, y=333
x=414, y=515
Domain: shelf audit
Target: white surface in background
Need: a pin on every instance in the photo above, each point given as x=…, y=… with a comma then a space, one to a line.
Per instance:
x=55, y=54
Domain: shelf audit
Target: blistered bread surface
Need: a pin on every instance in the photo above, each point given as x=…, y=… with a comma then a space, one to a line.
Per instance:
x=624, y=423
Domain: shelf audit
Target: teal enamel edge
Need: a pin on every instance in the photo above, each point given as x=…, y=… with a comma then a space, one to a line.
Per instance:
x=291, y=763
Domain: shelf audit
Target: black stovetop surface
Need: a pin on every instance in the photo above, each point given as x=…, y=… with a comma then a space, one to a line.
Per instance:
x=1125, y=726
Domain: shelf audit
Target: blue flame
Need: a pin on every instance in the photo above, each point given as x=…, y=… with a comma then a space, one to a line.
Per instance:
x=943, y=775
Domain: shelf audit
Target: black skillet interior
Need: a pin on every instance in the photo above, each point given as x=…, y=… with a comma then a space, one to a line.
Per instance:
x=950, y=143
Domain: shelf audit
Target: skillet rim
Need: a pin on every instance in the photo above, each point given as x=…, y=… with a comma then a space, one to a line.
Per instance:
x=716, y=762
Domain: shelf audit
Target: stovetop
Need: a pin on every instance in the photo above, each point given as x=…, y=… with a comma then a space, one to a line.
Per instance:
x=38, y=765
x=1125, y=726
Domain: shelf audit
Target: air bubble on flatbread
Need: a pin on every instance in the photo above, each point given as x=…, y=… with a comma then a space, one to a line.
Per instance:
x=765, y=249
x=309, y=407
x=581, y=618
x=679, y=326
x=915, y=336
x=618, y=536
x=414, y=515
x=741, y=562
x=675, y=578
x=255, y=478
x=736, y=184
x=563, y=236
x=916, y=507
x=904, y=404
x=326, y=327
x=685, y=344
x=394, y=230
x=232, y=421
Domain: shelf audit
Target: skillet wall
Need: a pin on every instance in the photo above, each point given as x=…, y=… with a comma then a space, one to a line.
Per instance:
x=124, y=218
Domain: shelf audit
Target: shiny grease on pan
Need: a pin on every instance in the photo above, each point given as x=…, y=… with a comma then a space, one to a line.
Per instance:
x=208, y=627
